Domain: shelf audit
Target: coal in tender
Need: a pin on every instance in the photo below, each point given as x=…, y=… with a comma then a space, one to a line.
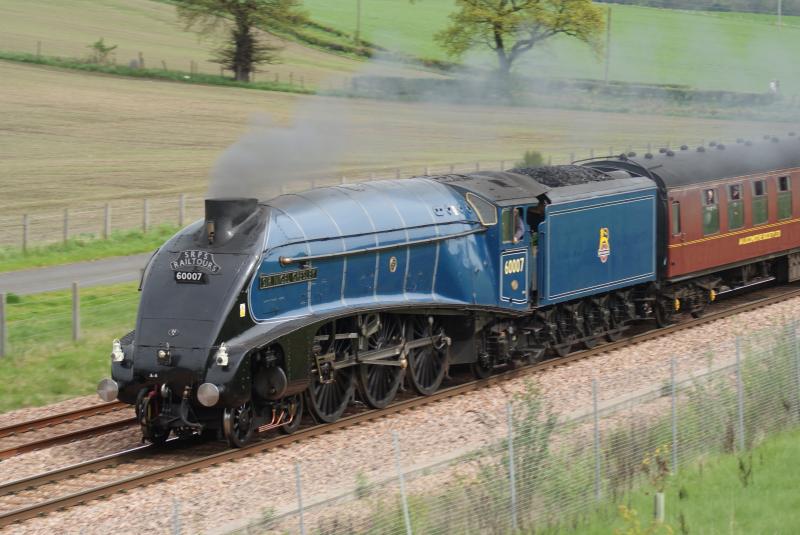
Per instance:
x=554, y=176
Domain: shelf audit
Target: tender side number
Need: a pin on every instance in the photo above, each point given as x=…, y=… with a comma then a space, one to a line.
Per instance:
x=191, y=277
x=517, y=265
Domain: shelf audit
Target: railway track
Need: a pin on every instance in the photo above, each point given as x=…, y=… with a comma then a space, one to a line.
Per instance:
x=180, y=457
x=24, y=437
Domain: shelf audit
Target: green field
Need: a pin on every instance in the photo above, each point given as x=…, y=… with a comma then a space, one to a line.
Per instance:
x=737, y=52
x=731, y=51
x=43, y=365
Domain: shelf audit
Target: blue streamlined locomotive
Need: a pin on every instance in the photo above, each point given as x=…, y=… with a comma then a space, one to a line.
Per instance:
x=263, y=310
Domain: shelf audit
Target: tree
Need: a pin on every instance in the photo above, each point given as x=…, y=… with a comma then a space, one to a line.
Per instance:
x=512, y=27
x=242, y=49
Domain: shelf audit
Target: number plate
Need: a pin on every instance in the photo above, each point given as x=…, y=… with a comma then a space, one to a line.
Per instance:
x=190, y=277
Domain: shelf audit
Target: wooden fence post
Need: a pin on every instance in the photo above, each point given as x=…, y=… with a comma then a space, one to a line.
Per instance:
x=66, y=224
x=3, y=334
x=25, y=232
x=76, y=312
x=145, y=216
x=107, y=222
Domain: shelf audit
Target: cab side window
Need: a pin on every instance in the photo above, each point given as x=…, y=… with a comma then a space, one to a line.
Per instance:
x=784, y=198
x=760, y=206
x=735, y=207
x=507, y=218
x=710, y=211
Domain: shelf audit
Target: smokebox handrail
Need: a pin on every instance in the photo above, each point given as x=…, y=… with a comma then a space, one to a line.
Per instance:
x=286, y=260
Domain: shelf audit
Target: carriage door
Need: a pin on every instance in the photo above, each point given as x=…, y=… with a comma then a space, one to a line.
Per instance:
x=514, y=257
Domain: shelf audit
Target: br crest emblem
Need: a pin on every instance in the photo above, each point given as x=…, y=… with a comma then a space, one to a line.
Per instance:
x=604, y=248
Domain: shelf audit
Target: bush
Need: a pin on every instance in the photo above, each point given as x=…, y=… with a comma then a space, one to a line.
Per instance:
x=531, y=158
x=100, y=52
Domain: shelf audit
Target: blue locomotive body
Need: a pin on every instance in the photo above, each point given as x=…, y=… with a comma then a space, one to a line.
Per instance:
x=263, y=307
x=388, y=243
x=596, y=241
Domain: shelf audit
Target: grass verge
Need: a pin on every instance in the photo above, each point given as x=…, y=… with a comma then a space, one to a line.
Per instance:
x=43, y=365
x=751, y=493
x=154, y=74
x=85, y=248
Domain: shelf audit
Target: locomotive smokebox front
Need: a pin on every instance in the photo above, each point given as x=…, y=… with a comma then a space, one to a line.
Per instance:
x=193, y=304
x=224, y=215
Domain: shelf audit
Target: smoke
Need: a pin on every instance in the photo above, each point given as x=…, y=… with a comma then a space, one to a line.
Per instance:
x=330, y=136
x=271, y=156
x=420, y=118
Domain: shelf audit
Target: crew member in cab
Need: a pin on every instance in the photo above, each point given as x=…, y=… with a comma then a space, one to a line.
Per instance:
x=519, y=226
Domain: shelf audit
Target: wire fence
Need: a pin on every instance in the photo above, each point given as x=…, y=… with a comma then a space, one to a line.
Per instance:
x=99, y=220
x=56, y=319
x=537, y=470
x=138, y=57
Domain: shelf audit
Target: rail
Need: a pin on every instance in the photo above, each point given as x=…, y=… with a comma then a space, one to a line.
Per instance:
x=83, y=496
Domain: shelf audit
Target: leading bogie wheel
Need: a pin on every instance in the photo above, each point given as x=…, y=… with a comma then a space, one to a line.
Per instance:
x=146, y=411
x=237, y=424
x=378, y=383
x=427, y=365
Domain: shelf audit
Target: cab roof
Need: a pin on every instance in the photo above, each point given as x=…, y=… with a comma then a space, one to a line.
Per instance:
x=499, y=187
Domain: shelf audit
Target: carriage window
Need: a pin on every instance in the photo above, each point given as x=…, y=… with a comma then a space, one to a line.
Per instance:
x=784, y=198
x=710, y=212
x=676, y=218
x=760, y=207
x=735, y=207
x=487, y=213
x=508, y=224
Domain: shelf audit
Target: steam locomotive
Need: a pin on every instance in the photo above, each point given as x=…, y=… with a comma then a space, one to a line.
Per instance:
x=266, y=309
